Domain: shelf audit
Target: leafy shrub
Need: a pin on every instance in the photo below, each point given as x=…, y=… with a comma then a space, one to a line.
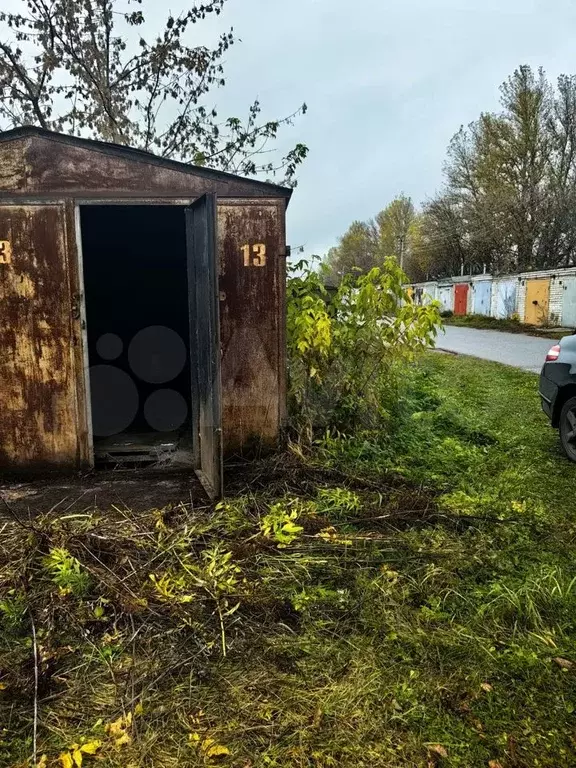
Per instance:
x=280, y=523
x=66, y=572
x=348, y=351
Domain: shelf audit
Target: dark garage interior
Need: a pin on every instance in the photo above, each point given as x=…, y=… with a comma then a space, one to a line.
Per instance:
x=138, y=328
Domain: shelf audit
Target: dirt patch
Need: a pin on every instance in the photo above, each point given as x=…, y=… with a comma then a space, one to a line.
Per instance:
x=135, y=490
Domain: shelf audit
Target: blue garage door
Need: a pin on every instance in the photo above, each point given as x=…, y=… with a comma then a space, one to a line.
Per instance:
x=506, y=298
x=446, y=297
x=569, y=302
x=482, y=297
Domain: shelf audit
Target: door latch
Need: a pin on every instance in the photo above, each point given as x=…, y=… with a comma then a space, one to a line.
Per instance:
x=76, y=306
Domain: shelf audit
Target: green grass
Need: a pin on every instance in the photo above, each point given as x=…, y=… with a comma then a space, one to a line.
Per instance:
x=507, y=325
x=397, y=600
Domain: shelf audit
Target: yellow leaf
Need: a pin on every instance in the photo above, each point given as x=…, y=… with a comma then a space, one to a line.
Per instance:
x=212, y=749
x=66, y=760
x=194, y=738
x=91, y=747
x=3, y=686
x=124, y=739
x=77, y=757
x=43, y=762
x=115, y=728
x=118, y=727
x=217, y=751
x=138, y=709
x=207, y=743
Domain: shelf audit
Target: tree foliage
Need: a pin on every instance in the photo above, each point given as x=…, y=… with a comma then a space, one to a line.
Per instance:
x=96, y=68
x=367, y=244
x=347, y=350
x=510, y=194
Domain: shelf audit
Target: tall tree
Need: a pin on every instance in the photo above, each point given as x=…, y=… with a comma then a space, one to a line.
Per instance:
x=356, y=252
x=96, y=68
x=393, y=228
x=438, y=245
x=367, y=244
x=510, y=194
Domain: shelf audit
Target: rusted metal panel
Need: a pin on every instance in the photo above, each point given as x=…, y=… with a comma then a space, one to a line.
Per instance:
x=85, y=448
x=205, y=338
x=13, y=168
x=252, y=253
x=71, y=167
x=38, y=411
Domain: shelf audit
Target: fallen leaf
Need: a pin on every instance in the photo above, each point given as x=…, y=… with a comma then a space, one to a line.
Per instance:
x=124, y=739
x=486, y=687
x=438, y=749
x=91, y=747
x=66, y=760
x=217, y=751
x=494, y=764
x=117, y=730
x=564, y=664
x=77, y=757
x=211, y=748
x=43, y=762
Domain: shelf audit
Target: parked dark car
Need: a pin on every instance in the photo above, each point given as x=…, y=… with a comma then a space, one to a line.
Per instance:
x=558, y=391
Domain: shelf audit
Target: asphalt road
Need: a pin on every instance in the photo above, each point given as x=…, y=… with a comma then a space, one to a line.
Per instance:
x=526, y=352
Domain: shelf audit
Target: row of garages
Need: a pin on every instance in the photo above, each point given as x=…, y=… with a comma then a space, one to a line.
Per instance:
x=545, y=298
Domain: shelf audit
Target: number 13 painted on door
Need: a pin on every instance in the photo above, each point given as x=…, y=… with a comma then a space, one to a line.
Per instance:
x=254, y=255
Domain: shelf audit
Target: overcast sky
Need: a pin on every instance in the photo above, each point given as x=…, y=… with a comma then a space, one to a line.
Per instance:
x=387, y=82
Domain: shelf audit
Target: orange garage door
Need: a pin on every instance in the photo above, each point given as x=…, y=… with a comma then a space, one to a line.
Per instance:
x=460, y=298
x=537, y=299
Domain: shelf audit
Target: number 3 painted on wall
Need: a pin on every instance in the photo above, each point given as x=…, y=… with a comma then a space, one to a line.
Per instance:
x=5, y=252
x=254, y=255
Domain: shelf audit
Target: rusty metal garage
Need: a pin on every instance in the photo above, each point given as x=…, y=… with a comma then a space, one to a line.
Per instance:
x=142, y=306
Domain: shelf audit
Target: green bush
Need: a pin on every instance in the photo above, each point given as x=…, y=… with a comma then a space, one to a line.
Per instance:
x=348, y=351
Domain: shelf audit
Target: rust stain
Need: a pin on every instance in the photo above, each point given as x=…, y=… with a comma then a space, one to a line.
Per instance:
x=251, y=322
x=13, y=166
x=60, y=168
x=37, y=418
x=43, y=414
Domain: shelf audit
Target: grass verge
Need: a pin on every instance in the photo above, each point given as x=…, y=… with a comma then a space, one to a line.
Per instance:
x=508, y=325
x=402, y=601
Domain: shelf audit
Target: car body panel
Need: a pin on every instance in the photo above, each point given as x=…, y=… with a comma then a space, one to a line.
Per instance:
x=558, y=380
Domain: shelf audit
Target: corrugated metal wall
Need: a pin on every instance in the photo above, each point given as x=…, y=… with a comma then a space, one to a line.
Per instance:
x=504, y=296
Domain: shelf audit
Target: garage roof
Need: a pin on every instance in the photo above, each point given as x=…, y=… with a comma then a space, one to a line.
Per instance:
x=260, y=188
